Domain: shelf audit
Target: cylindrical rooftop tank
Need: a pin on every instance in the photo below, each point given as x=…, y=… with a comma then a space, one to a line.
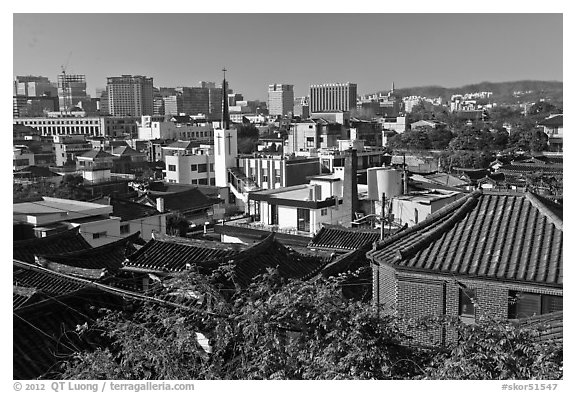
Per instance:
x=384, y=180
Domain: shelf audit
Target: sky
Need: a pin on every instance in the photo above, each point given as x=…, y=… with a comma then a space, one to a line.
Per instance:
x=372, y=50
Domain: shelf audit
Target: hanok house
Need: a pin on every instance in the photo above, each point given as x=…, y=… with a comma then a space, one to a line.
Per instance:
x=165, y=256
x=348, y=247
x=487, y=253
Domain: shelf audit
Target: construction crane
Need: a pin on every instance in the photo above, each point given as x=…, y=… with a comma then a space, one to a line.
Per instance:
x=65, y=87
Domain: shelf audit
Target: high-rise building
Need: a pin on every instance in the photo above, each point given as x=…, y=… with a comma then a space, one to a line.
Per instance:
x=195, y=100
x=302, y=107
x=280, y=99
x=130, y=95
x=33, y=86
x=71, y=90
x=333, y=97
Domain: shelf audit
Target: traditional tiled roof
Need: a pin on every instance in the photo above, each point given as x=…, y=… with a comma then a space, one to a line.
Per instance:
x=110, y=256
x=34, y=171
x=127, y=210
x=486, y=235
x=446, y=179
x=184, y=201
x=123, y=151
x=172, y=254
x=67, y=241
x=349, y=262
x=553, y=121
x=27, y=278
x=531, y=168
x=341, y=239
x=95, y=153
x=269, y=253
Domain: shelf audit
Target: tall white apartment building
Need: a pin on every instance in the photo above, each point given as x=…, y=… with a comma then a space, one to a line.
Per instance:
x=130, y=95
x=280, y=99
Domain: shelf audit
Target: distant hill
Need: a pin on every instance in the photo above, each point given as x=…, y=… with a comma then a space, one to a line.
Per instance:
x=532, y=91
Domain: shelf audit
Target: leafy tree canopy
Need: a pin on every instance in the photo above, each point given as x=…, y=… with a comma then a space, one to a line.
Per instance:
x=298, y=330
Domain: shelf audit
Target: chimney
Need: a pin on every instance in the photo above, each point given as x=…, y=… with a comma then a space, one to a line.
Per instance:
x=350, y=187
x=160, y=204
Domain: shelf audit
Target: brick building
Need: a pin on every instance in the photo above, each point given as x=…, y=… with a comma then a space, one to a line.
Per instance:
x=487, y=253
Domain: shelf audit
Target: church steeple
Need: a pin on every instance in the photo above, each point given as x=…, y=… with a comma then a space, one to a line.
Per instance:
x=225, y=115
x=392, y=91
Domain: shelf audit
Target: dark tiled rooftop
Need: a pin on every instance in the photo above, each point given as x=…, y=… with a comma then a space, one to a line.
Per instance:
x=67, y=241
x=27, y=277
x=487, y=235
x=127, y=210
x=338, y=238
x=110, y=256
x=170, y=254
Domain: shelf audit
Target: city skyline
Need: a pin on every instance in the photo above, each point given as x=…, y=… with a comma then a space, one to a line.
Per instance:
x=371, y=50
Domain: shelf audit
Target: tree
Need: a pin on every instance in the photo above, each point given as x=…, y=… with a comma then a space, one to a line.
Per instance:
x=177, y=224
x=278, y=329
x=411, y=140
x=529, y=140
x=271, y=330
x=495, y=349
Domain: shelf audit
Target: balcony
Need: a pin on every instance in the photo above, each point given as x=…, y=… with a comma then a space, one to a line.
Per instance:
x=249, y=223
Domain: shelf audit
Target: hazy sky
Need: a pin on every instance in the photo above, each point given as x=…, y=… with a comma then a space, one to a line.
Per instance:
x=372, y=50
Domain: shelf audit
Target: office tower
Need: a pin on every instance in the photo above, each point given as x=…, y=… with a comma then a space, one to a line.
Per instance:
x=33, y=86
x=194, y=100
x=333, y=97
x=71, y=90
x=130, y=95
x=280, y=99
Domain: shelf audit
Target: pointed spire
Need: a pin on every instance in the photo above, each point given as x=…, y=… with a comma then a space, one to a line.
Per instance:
x=392, y=91
x=225, y=115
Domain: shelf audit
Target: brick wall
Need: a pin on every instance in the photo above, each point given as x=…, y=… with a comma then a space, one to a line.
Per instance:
x=416, y=294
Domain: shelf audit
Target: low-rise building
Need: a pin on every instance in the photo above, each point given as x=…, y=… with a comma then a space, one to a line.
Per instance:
x=553, y=127
x=176, y=127
x=486, y=254
x=91, y=125
x=53, y=215
x=189, y=163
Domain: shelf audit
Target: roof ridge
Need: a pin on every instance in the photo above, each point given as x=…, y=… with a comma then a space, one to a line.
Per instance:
x=93, y=249
x=440, y=213
x=86, y=273
x=72, y=232
x=538, y=204
x=437, y=232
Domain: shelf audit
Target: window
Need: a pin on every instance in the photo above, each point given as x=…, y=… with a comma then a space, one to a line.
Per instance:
x=277, y=176
x=467, y=303
x=203, y=181
x=193, y=167
x=172, y=168
x=211, y=167
x=264, y=175
x=98, y=235
x=202, y=167
x=310, y=142
x=273, y=215
x=324, y=212
x=524, y=304
x=194, y=181
x=124, y=228
x=303, y=217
